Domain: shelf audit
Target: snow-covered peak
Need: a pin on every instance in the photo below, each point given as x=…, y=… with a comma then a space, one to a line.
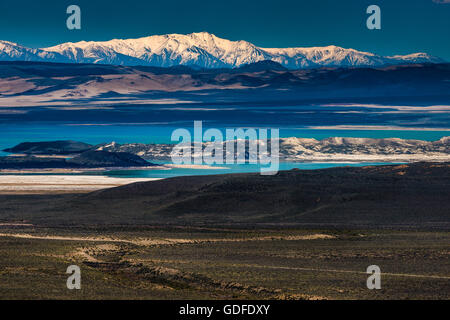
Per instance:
x=4, y=43
x=420, y=57
x=203, y=49
x=10, y=51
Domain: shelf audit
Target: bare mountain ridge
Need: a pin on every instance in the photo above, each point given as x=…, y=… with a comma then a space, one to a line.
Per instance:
x=396, y=196
x=330, y=149
x=41, y=83
x=291, y=149
x=63, y=147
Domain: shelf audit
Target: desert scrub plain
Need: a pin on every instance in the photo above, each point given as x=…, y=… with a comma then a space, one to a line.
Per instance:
x=202, y=263
x=296, y=235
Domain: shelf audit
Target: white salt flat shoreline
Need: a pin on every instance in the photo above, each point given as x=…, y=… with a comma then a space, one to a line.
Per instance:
x=194, y=166
x=22, y=184
x=167, y=166
x=359, y=158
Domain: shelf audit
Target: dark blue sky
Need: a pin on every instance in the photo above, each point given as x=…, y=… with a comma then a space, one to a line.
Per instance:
x=407, y=25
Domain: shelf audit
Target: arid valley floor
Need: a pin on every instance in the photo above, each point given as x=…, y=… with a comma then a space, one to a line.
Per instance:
x=297, y=235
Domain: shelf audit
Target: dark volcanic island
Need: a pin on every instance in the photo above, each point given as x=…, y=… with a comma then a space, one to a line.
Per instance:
x=41, y=155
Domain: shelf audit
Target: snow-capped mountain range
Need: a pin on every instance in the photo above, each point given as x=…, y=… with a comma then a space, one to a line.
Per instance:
x=203, y=50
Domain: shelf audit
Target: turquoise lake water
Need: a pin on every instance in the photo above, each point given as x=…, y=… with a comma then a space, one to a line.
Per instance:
x=12, y=134
x=235, y=168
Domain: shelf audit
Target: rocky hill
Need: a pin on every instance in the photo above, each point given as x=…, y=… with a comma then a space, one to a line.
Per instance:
x=50, y=148
x=85, y=160
x=330, y=149
x=396, y=196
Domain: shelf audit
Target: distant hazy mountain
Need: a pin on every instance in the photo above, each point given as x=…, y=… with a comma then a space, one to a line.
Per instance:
x=41, y=83
x=202, y=50
x=304, y=149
